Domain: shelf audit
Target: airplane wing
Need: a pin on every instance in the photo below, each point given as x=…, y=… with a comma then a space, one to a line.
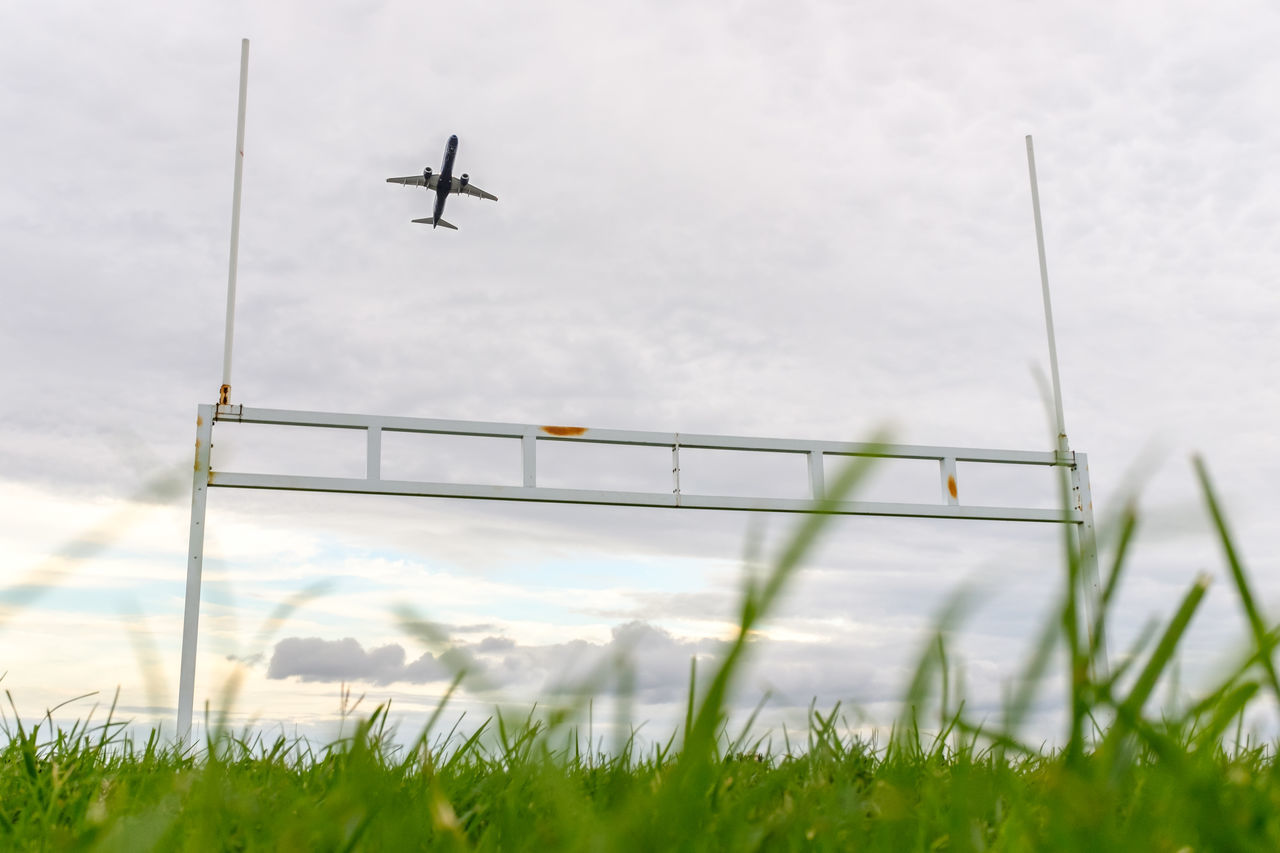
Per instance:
x=415, y=181
x=472, y=189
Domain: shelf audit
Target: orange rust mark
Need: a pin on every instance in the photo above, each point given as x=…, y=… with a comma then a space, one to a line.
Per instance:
x=564, y=430
x=197, y=465
x=199, y=422
x=951, y=486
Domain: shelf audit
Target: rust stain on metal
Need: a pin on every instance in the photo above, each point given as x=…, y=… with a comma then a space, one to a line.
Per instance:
x=197, y=465
x=199, y=422
x=224, y=395
x=564, y=430
x=951, y=486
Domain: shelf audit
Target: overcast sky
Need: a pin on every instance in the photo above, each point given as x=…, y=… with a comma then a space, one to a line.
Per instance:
x=810, y=222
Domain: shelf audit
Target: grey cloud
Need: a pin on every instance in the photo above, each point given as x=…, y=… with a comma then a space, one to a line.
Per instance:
x=494, y=644
x=316, y=659
x=659, y=661
x=656, y=664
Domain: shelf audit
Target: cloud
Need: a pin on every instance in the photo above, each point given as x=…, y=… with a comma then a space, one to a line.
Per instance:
x=645, y=659
x=659, y=660
x=316, y=659
x=656, y=660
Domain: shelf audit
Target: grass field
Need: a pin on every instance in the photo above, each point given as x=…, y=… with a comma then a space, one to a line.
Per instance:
x=1126, y=777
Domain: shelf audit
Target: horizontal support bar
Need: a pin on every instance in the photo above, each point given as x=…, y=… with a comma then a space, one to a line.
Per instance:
x=486, y=429
x=650, y=499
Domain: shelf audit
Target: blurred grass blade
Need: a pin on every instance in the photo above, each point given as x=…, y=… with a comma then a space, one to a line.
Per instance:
x=933, y=659
x=1128, y=525
x=1131, y=707
x=759, y=599
x=278, y=616
x=1029, y=681
x=160, y=488
x=1228, y=708
x=1261, y=637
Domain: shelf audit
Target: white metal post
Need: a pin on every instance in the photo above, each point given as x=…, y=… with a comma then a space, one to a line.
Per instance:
x=1086, y=535
x=675, y=468
x=195, y=561
x=1087, y=540
x=817, y=476
x=950, y=488
x=529, y=459
x=373, y=463
x=1063, y=446
x=224, y=393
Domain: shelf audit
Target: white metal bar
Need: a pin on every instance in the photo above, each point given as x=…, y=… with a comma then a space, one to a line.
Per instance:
x=817, y=476
x=373, y=466
x=950, y=486
x=529, y=458
x=195, y=561
x=354, y=485
x=675, y=469
x=1087, y=539
x=1063, y=446
x=492, y=429
x=224, y=393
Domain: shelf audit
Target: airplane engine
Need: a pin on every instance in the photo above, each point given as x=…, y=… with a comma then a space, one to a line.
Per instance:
x=463, y=180
x=426, y=174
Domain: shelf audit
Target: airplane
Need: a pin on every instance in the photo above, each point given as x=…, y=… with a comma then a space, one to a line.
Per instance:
x=443, y=184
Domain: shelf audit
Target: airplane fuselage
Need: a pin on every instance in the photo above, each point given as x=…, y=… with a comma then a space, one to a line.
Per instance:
x=445, y=182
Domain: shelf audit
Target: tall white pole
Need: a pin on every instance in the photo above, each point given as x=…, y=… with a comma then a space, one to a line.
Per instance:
x=1085, y=535
x=195, y=571
x=224, y=394
x=1063, y=446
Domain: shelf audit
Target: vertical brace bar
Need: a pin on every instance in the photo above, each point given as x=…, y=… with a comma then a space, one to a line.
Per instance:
x=817, y=478
x=950, y=486
x=1087, y=539
x=675, y=469
x=373, y=467
x=195, y=560
x=528, y=453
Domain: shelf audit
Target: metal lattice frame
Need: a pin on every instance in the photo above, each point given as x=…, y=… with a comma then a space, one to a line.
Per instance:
x=1080, y=514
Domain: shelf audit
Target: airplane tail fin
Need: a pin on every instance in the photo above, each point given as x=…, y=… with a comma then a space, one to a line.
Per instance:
x=440, y=222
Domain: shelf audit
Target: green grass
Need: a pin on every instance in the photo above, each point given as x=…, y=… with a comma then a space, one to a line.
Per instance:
x=1127, y=776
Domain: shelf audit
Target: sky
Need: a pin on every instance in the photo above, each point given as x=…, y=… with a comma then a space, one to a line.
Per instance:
x=719, y=218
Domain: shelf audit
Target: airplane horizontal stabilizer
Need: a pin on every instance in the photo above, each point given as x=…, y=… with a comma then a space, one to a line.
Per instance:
x=440, y=222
